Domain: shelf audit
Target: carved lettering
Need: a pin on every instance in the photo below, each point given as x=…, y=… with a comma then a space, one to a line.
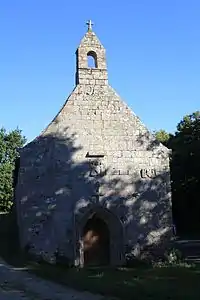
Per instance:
x=81, y=89
x=96, y=195
x=89, y=90
x=122, y=172
x=97, y=187
x=97, y=168
x=115, y=171
x=148, y=173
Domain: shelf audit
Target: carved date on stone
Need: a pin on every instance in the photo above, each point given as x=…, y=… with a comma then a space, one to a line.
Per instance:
x=89, y=90
x=148, y=173
x=96, y=195
x=97, y=168
x=86, y=90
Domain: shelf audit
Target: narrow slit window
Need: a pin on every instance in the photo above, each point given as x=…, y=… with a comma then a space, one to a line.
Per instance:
x=92, y=59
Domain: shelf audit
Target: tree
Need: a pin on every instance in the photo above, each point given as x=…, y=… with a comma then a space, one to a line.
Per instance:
x=162, y=136
x=185, y=167
x=9, y=144
x=185, y=172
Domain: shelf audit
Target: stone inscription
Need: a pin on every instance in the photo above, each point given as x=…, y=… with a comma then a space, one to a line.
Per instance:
x=87, y=90
x=95, y=197
x=97, y=168
x=148, y=173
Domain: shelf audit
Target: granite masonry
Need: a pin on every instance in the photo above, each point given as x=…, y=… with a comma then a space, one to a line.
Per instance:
x=95, y=184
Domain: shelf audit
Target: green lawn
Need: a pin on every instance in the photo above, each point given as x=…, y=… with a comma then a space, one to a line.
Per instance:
x=137, y=283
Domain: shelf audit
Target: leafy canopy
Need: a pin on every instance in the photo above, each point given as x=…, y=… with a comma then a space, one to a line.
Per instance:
x=185, y=171
x=9, y=144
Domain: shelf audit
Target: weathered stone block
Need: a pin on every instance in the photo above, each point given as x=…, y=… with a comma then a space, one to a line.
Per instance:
x=95, y=160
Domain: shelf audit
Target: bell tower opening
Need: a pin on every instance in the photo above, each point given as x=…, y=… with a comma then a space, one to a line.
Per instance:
x=91, y=65
x=92, y=60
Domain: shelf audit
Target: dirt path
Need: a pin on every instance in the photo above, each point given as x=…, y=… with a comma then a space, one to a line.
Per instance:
x=18, y=284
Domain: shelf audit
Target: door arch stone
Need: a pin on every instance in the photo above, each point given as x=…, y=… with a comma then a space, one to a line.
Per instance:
x=116, y=235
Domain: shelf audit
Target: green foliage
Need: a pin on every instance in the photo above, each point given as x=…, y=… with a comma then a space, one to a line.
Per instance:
x=162, y=136
x=190, y=123
x=185, y=166
x=185, y=172
x=9, y=143
x=173, y=256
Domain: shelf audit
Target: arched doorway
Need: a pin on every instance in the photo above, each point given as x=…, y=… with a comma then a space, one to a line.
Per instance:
x=115, y=235
x=96, y=242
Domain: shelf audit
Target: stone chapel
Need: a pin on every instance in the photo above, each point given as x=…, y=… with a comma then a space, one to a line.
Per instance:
x=94, y=186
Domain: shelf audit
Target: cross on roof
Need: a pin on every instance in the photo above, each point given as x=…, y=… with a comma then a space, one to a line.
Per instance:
x=89, y=23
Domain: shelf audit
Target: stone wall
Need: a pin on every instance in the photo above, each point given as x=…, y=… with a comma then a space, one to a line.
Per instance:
x=96, y=155
x=94, y=140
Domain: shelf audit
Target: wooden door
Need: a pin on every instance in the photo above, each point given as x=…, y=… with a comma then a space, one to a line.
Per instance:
x=96, y=242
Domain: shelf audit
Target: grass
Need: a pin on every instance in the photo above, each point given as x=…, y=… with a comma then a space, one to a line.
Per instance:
x=163, y=283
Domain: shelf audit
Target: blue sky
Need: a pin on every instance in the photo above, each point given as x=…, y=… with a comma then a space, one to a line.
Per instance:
x=153, y=56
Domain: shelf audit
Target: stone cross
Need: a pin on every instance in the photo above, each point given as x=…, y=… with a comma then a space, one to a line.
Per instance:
x=89, y=23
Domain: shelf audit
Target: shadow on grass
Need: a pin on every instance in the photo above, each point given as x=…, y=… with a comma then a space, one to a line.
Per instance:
x=136, y=283
x=142, y=282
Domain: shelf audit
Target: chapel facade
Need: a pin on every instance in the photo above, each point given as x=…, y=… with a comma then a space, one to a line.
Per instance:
x=95, y=184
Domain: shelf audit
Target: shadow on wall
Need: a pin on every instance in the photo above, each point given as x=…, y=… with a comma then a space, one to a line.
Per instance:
x=56, y=188
x=9, y=249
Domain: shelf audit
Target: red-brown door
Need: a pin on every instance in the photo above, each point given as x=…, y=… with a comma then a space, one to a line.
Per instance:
x=96, y=242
